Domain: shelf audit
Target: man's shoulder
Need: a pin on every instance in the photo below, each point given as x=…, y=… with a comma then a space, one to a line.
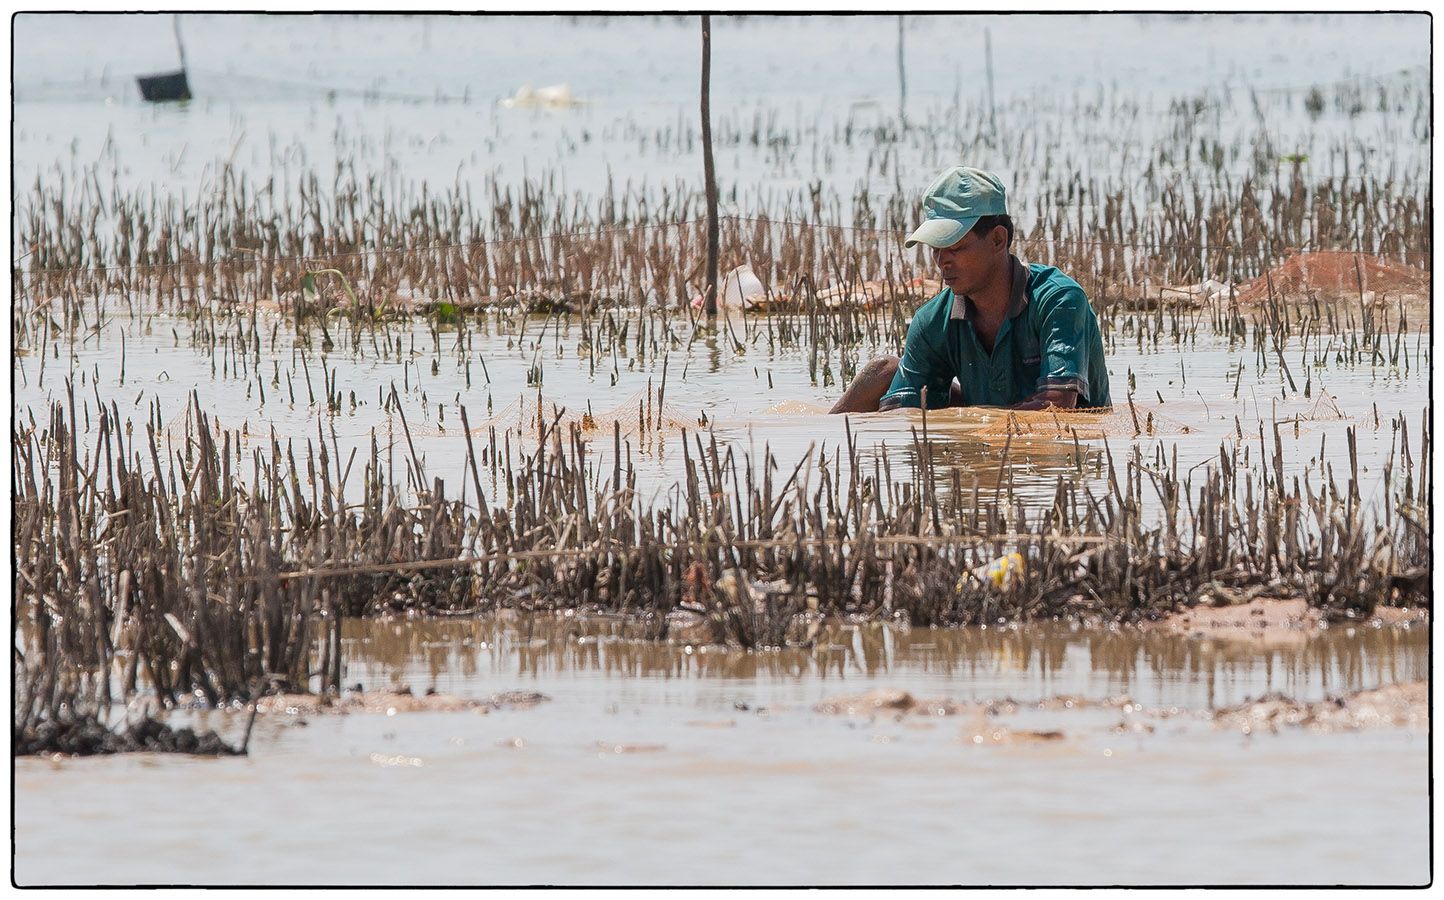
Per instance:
x=1050, y=281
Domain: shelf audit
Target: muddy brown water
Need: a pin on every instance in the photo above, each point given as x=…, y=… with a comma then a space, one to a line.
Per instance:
x=663, y=764
x=656, y=763
x=681, y=764
x=1189, y=400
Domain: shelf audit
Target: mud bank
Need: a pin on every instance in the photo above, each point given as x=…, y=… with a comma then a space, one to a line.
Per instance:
x=1274, y=622
x=391, y=703
x=1395, y=705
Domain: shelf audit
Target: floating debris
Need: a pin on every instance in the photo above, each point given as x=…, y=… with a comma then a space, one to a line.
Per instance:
x=552, y=96
x=740, y=291
x=999, y=735
x=886, y=700
x=606, y=748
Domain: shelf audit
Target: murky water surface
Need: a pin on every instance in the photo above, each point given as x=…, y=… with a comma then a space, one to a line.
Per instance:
x=277, y=96
x=1188, y=399
x=663, y=763
x=675, y=764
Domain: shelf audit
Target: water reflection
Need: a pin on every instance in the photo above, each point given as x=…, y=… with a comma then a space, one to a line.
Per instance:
x=969, y=463
x=1027, y=658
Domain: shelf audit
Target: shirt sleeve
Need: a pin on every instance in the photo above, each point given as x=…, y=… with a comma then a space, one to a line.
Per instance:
x=923, y=365
x=1064, y=340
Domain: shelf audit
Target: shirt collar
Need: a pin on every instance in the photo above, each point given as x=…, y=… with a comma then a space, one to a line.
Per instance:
x=963, y=307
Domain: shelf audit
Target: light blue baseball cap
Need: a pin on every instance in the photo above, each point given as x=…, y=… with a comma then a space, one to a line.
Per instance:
x=954, y=203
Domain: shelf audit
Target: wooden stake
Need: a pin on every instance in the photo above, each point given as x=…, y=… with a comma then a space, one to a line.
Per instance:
x=180, y=47
x=708, y=170
x=902, y=79
x=992, y=107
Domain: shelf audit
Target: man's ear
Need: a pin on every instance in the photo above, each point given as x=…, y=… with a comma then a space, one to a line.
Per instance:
x=998, y=237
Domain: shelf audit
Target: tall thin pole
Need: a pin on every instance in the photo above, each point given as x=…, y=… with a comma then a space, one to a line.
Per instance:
x=988, y=55
x=708, y=170
x=902, y=79
x=175, y=20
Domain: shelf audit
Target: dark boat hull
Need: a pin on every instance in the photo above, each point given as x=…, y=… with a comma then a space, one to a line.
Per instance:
x=165, y=86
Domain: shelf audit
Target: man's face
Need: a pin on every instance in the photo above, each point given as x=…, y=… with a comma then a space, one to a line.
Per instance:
x=968, y=265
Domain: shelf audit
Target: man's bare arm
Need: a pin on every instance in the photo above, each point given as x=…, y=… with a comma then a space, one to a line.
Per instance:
x=1062, y=398
x=955, y=398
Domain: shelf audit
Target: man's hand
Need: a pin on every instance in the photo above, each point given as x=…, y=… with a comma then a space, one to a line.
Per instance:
x=1062, y=398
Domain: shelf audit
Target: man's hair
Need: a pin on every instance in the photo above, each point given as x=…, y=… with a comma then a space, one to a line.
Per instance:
x=988, y=223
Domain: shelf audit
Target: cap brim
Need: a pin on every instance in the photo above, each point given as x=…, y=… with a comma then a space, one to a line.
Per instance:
x=941, y=232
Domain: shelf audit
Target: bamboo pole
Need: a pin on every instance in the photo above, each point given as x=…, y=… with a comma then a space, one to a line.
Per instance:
x=902, y=79
x=992, y=106
x=180, y=46
x=709, y=170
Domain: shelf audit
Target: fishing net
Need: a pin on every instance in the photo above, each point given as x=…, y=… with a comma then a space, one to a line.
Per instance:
x=1119, y=421
x=640, y=414
x=1334, y=274
x=1324, y=409
x=795, y=408
x=183, y=428
x=421, y=427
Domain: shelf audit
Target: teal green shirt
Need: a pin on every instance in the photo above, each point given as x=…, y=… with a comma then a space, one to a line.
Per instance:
x=1049, y=340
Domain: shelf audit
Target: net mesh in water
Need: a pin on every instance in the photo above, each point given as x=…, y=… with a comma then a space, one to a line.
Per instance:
x=640, y=414
x=1324, y=409
x=1335, y=274
x=1119, y=421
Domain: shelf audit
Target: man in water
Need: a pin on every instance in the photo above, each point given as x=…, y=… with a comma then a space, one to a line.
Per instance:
x=1002, y=333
